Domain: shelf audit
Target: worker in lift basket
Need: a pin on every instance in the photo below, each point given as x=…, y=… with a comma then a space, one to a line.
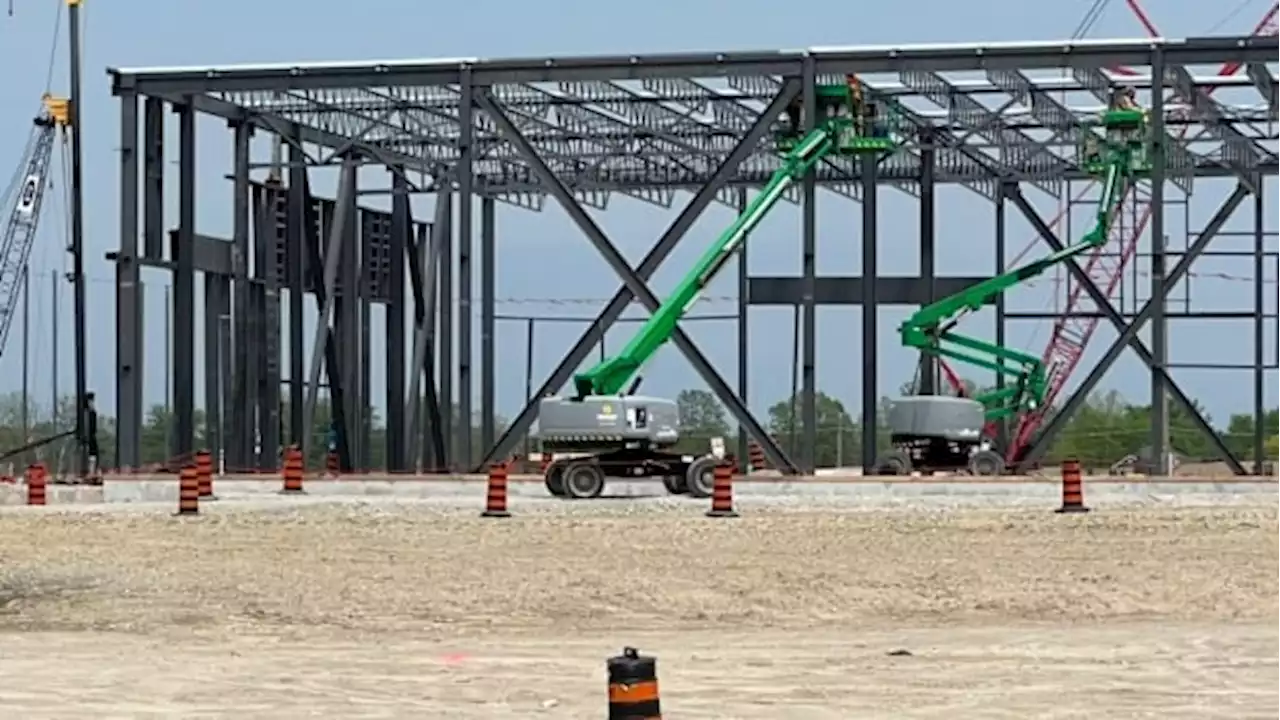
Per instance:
x=1124, y=98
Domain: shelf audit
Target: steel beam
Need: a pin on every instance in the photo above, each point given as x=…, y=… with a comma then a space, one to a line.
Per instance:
x=850, y=290
x=1265, y=83
x=1156, y=144
x=744, y=349
x=1128, y=332
x=129, y=328
x=299, y=231
x=1019, y=154
x=870, y=314
x=401, y=226
x=928, y=371
x=184, y=381
x=808, y=309
x=1002, y=244
x=271, y=214
x=240, y=447
x=646, y=268
x=466, y=241
x=217, y=305
x=488, y=298
x=325, y=298
x=1259, y=326
x=425, y=259
x=153, y=229
x=442, y=247
x=830, y=60
x=345, y=383
x=1238, y=153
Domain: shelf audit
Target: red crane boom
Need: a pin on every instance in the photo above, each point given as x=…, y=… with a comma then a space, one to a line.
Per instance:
x=1104, y=266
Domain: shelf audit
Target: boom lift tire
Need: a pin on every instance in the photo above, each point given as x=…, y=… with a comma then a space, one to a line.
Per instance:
x=675, y=484
x=553, y=478
x=700, y=477
x=583, y=480
x=986, y=463
x=894, y=462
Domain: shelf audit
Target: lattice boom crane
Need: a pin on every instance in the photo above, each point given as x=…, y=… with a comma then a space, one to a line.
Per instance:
x=1105, y=265
x=24, y=218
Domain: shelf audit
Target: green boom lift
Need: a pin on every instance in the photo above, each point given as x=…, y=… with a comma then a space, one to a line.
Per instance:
x=615, y=433
x=943, y=433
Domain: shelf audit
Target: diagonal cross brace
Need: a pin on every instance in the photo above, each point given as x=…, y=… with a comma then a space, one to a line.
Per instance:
x=634, y=279
x=1128, y=332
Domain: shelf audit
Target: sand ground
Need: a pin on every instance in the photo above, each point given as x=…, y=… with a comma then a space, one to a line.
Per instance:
x=383, y=610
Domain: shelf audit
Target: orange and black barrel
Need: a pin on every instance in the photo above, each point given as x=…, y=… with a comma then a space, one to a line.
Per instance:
x=633, y=687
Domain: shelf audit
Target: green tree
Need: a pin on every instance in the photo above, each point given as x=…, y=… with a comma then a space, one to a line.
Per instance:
x=837, y=434
x=702, y=417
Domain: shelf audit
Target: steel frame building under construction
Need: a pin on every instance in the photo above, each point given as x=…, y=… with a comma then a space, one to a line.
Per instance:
x=998, y=119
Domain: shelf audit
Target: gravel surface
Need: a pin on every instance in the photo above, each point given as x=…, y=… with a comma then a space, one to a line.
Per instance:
x=395, y=610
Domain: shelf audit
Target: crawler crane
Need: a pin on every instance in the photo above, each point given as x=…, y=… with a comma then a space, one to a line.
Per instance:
x=946, y=433
x=624, y=435
x=24, y=216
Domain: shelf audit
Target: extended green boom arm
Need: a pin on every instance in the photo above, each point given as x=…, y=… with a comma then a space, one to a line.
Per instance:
x=613, y=375
x=929, y=329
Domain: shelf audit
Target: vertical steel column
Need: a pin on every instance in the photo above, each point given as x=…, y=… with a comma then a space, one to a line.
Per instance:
x=346, y=328
x=1002, y=247
x=239, y=445
x=184, y=347
x=1159, y=323
x=129, y=353
x=298, y=230
x=1259, y=323
x=401, y=226
x=257, y=374
x=488, y=291
x=79, y=308
x=153, y=239
x=364, y=296
x=153, y=231
x=268, y=334
x=442, y=232
x=808, y=284
x=226, y=339
x=466, y=121
x=744, y=284
x=216, y=290
x=928, y=259
x=870, y=313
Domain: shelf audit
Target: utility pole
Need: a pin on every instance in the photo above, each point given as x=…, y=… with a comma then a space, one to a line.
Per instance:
x=53, y=406
x=168, y=376
x=26, y=354
x=77, y=242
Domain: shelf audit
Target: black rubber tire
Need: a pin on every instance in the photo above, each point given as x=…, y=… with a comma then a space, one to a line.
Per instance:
x=894, y=462
x=583, y=481
x=554, y=479
x=699, y=477
x=675, y=484
x=986, y=463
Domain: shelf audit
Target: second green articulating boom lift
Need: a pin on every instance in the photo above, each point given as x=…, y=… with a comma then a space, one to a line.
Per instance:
x=947, y=433
x=614, y=432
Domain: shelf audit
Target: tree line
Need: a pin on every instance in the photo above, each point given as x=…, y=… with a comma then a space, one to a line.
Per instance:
x=156, y=436
x=1107, y=429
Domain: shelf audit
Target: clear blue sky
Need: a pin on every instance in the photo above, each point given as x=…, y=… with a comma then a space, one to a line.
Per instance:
x=540, y=251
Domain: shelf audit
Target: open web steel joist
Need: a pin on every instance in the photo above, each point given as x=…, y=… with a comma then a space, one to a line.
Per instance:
x=993, y=118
